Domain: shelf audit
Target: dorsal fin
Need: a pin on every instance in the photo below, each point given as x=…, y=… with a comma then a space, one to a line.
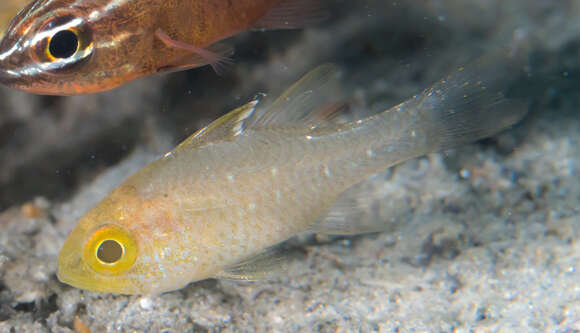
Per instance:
x=225, y=127
x=312, y=100
x=309, y=102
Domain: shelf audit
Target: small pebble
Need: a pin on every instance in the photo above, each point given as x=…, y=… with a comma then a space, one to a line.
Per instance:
x=80, y=326
x=146, y=303
x=32, y=211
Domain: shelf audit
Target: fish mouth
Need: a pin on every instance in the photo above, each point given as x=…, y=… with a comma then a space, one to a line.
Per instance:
x=15, y=72
x=9, y=75
x=72, y=270
x=25, y=79
x=83, y=278
x=14, y=79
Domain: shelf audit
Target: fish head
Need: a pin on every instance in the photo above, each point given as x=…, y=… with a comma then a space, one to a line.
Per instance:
x=105, y=253
x=64, y=47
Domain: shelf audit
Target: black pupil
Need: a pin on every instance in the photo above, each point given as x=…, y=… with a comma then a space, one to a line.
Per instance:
x=63, y=44
x=110, y=251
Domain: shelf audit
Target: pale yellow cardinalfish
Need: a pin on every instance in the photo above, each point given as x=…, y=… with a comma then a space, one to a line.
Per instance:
x=217, y=205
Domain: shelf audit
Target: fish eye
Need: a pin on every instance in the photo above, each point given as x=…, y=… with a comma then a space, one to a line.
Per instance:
x=64, y=44
x=110, y=250
x=66, y=41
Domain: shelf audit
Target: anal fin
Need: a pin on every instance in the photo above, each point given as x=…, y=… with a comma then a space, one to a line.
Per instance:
x=216, y=55
x=292, y=14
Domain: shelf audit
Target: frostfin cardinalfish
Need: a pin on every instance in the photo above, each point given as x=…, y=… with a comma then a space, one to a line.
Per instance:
x=217, y=205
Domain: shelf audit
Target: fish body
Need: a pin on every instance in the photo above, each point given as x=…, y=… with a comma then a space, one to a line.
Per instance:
x=258, y=176
x=70, y=47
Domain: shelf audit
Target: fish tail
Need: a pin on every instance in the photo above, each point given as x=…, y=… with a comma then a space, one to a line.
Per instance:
x=471, y=103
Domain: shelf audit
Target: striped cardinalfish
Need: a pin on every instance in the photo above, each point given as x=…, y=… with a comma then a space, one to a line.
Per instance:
x=71, y=47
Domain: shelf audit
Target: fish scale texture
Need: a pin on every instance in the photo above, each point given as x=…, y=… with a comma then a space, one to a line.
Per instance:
x=483, y=238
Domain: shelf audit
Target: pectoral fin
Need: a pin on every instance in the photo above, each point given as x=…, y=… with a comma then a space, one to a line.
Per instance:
x=216, y=55
x=268, y=264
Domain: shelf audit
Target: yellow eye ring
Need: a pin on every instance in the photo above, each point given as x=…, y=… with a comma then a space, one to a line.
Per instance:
x=111, y=250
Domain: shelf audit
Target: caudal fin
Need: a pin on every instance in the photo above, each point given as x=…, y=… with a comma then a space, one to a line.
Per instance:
x=471, y=103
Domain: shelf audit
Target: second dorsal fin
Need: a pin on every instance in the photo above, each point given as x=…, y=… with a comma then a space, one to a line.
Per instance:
x=312, y=100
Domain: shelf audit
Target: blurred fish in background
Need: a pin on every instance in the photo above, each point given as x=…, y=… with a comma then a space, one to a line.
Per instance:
x=66, y=47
